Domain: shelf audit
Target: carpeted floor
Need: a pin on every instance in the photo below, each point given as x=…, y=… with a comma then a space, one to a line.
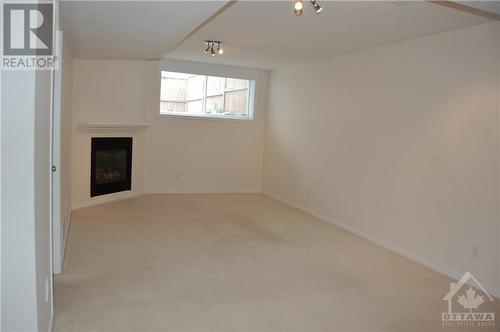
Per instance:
x=235, y=263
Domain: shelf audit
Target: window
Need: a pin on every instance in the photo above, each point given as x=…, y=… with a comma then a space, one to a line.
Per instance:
x=205, y=96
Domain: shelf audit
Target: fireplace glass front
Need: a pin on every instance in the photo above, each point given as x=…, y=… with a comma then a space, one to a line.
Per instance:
x=111, y=167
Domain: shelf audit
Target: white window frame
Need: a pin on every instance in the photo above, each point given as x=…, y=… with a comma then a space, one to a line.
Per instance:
x=250, y=100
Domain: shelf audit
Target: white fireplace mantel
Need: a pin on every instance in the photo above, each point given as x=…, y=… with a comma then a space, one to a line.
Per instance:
x=113, y=126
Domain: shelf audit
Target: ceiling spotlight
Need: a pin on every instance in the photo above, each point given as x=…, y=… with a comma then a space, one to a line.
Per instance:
x=212, y=51
x=209, y=45
x=219, y=49
x=317, y=7
x=298, y=7
x=206, y=50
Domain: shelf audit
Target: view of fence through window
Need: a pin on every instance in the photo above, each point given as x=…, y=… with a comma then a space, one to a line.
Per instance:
x=200, y=95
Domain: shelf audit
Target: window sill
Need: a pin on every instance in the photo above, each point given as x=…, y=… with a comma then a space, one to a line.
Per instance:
x=207, y=117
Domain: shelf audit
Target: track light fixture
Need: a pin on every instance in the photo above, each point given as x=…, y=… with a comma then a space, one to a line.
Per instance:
x=298, y=7
x=211, y=49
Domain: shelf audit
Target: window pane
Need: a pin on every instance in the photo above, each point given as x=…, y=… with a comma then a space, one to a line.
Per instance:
x=173, y=89
x=236, y=102
x=215, y=104
x=195, y=87
x=172, y=106
x=200, y=95
x=215, y=85
x=195, y=107
x=236, y=84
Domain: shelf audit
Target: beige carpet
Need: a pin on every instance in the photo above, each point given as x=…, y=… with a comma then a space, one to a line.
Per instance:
x=235, y=263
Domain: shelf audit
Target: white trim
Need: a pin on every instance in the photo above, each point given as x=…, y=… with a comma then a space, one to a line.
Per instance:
x=67, y=220
x=112, y=126
x=51, y=322
x=56, y=201
x=204, y=191
x=106, y=199
x=65, y=239
x=129, y=194
x=415, y=258
x=207, y=117
x=53, y=94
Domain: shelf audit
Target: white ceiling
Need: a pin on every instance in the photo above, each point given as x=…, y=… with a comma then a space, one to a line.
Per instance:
x=268, y=35
x=131, y=29
x=258, y=34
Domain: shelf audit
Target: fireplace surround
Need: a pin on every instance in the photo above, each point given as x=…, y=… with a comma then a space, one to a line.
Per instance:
x=111, y=165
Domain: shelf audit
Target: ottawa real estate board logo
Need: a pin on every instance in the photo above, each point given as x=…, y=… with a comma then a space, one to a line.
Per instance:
x=464, y=304
x=28, y=41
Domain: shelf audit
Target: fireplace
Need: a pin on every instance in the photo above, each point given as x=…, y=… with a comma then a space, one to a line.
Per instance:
x=111, y=165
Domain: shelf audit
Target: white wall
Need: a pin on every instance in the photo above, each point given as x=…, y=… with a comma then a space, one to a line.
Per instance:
x=190, y=155
x=18, y=206
x=399, y=144
x=498, y=153
x=26, y=260
x=106, y=92
x=209, y=155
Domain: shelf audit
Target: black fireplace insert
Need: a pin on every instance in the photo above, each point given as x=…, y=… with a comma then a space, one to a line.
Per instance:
x=111, y=165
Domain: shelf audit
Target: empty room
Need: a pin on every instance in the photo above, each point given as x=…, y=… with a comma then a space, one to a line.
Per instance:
x=250, y=166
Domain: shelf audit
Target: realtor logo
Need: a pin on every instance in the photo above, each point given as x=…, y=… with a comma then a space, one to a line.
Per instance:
x=27, y=29
x=27, y=36
x=468, y=313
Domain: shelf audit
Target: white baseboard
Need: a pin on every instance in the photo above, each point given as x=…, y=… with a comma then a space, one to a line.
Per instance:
x=129, y=194
x=51, y=322
x=106, y=199
x=204, y=191
x=65, y=226
x=65, y=240
x=415, y=258
x=67, y=223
